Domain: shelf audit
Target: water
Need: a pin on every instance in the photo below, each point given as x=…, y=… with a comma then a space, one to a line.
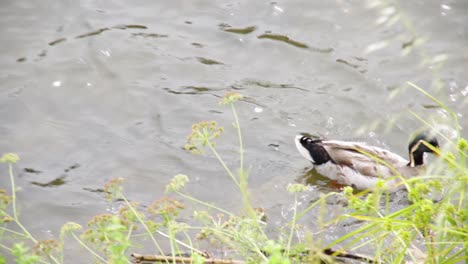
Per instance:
x=95, y=90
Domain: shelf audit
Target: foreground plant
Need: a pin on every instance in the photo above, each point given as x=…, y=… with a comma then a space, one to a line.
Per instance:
x=109, y=237
x=429, y=229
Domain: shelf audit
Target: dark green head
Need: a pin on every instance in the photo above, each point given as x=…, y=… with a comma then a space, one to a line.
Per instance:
x=417, y=148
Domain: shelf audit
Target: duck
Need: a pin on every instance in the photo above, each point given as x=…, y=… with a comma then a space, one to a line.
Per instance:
x=360, y=165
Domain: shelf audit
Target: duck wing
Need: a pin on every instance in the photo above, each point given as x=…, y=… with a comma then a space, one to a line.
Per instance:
x=363, y=158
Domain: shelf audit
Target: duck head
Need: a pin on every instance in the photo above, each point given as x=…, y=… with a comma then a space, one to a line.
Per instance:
x=417, y=147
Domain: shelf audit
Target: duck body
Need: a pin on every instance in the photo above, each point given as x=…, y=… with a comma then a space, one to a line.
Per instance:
x=357, y=164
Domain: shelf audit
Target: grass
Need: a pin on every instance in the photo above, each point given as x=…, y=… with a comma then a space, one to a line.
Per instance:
x=426, y=230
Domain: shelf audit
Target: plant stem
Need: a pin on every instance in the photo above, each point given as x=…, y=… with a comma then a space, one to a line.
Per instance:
x=303, y=212
x=180, y=242
x=171, y=242
x=11, y=231
x=88, y=248
x=142, y=223
x=130, y=231
x=5, y=247
x=187, y=236
x=149, y=231
x=13, y=203
x=239, y=133
x=223, y=164
x=288, y=249
x=203, y=203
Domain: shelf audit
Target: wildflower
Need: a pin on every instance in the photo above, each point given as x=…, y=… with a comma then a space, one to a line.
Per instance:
x=177, y=183
x=435, y=184
x=230, y=98
x=203, y=234
x=70, y=227
x=113, y=188
x=100, y=220
x=129, y=216
x=421, y=188
x=167, y=208
x=463, y=144
x=424, y=212
x=165, y=205
x=45, y=247
x=104, y=231
x=9, y=158
x=152, y=225
x=380, y=184
x=449, y=208
x=178, y=227
x=4, y=199
x=201, y=215
x=202, y=135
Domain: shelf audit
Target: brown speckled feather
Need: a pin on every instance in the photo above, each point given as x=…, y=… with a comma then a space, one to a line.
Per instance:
x=359, y=156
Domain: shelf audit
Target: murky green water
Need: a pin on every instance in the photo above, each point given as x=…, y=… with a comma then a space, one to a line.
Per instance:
x=95, y=90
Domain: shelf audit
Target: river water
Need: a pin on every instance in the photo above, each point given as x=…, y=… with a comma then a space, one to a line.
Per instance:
x=92, y=90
